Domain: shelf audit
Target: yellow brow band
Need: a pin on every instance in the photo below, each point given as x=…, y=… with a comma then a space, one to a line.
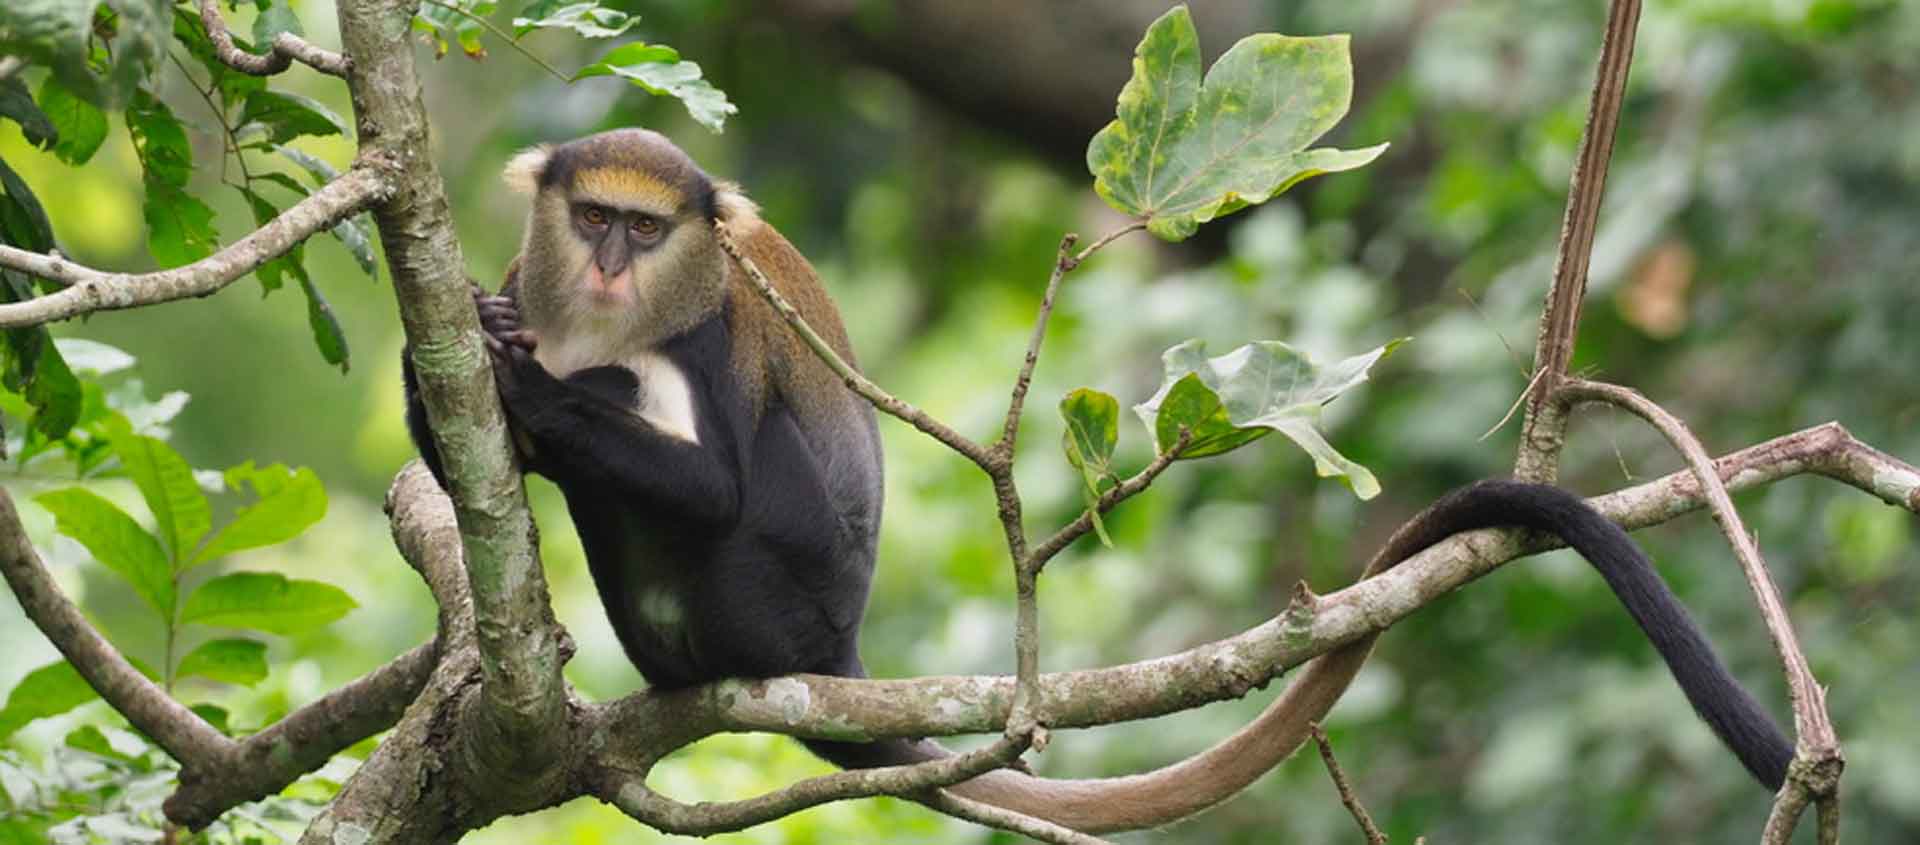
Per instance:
x=620, y=186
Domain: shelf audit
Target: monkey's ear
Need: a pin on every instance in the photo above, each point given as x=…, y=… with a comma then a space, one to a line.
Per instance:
x=524, y=170
x=732, y=206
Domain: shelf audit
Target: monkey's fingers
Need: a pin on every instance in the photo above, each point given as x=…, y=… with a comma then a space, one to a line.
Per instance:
x=523, y=338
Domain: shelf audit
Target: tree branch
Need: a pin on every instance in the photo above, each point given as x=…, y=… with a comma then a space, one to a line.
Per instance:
x=1340, y=784
x=92, y=290
x=856, y=382
x=287, y=47
x=1544, y=429
x=629, y=792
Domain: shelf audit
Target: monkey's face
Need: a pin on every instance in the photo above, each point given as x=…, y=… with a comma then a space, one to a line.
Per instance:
x=620, y=239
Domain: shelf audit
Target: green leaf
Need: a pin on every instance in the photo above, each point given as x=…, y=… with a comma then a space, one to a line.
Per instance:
x=274, y=19
x=160, y=141
x=266, y=602
x=166, y=482
x=288, y=502
x=230, y=661
x=179, y=226
x=1093, y=428
x=318, y=169
x=16, y=103
x=352, y=234
x=285, y=117
x=50, y=690
x=272, y=273
x=116, y=541
x=455, y=19
x=23, y=222
x=61, y=35
x=588, y=20
x=82, y=125
x=659, y=70
x=328, y=335
x=1182, y=151
x=1239, y=397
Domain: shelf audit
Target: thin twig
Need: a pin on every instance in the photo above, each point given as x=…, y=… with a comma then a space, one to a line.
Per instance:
x=90, y=290
x=1061, y=264
x=503, y=35
x=1817, y=744
x=629, y=792
x=287, y=47
x=856, y=382
x=1004, y=819
x=1108, y=238
x=1052, y=546
x=1544, y=428
x=1345, y=788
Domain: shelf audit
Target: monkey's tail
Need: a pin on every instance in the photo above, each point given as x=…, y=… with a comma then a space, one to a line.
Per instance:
x=1181, y=789
x=1722, y=703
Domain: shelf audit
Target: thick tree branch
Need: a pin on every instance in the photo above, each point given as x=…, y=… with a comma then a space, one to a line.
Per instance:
x=287, y=47
x=179, y=731
x=1544, y=428
x=520, y=644
x=90, y=290
x=428, y=536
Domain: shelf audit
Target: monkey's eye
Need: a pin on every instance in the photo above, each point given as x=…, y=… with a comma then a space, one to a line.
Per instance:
x=594, y=215
x=645, y=227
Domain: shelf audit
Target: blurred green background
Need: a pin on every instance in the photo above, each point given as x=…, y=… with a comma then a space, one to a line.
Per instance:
x=1754, y=271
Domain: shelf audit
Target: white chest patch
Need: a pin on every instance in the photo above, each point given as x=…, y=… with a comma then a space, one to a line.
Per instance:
x=666, y=397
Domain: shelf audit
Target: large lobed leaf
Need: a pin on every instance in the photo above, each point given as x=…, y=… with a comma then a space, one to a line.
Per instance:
x=1183, y=151
x=1232, y=400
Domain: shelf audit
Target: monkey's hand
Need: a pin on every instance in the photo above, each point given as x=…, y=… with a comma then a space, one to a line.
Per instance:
x=500, y=322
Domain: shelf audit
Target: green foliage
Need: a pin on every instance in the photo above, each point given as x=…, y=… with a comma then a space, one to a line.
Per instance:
x=233, y=661
x=266, y=601
x=179, y=226
x=284, y=117
x=659, y=70
x=50, y=690
x=1093, y=429
x=30, y=363
x=116, y=541
x=16, y=103
x=101, y=50
x=587, y=20
x=166, y=484
x=1184, y=151
x=81, y=127
x=289, y=501
x=1232, y=400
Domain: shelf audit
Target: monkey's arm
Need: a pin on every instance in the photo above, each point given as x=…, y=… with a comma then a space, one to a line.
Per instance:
x=583, y=439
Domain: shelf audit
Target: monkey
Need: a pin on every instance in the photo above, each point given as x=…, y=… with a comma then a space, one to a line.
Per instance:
x=726, y=485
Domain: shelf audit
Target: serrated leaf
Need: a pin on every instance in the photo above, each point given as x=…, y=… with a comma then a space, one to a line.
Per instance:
x=658, y=69
x=230, y=661
x=288, y=501
x=160, y=140
x=82, y=125
x=1232, y=400
x=166, y=483
x=116, y=541
x=50, y=690
x=588, y=20
x=179, y=226
x=17, y=104
x=1182, y=151
x=288, y=116
x=266, y=602
x=1093, y=429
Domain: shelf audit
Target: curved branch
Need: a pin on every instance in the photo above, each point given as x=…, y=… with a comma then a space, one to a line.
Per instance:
x=628, y=791
x=181, y=732
x=287, y=47
x=90, y=290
